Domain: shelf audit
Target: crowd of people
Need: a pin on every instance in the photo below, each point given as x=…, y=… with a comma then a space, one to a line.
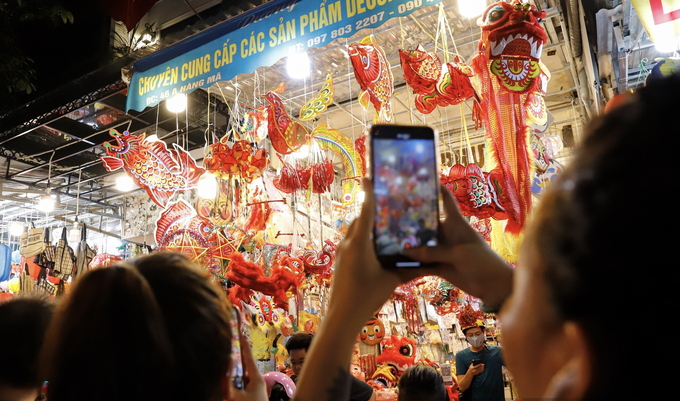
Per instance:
x=156, y=328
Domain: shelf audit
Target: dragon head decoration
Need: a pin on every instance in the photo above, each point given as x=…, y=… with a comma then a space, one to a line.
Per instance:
x=398, y=354
x=126, y=144
x=512, y=40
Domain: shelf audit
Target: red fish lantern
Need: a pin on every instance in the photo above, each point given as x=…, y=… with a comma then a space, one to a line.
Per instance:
x=436, y=83
x=160, y=171
x=373, y=72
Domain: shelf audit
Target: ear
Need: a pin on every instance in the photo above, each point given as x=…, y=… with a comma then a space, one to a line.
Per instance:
x=572, y=380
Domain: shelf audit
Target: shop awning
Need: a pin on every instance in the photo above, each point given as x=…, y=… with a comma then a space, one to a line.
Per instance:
x=254, y=39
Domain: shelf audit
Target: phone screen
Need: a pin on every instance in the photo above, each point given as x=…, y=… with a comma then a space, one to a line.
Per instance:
x=406, y=188
x=237, y=357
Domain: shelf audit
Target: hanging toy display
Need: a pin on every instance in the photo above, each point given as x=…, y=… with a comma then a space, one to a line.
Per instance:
x=265, y=313
x=253, y=125
x=406, y=294
x=162, y=172
x=434, y=83
x=478, y=194
x=250, y=277
x=329, y=138
x=373, y=73
x=217, y=209
x=288, y=181
x=180, y=229
x=241, y=160
x=320, y=102
x=287, y=135
x=512, y=80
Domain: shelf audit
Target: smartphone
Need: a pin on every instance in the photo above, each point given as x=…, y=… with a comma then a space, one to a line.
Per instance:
x=237, y=356
x=476, y=361
x=405, y=169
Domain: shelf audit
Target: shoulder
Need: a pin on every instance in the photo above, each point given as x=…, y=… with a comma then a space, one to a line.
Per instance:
x=359, y=390
x=464, y=353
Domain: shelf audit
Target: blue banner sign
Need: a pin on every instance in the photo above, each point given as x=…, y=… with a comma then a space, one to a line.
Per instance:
x=255, y=39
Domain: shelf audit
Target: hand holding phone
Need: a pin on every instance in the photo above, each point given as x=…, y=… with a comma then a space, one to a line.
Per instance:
x=405, y=169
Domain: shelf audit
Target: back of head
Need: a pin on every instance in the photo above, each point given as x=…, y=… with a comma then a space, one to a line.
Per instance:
x=299, y=340
x=196, y=314
x=108, y=341
x=602, y=234
x=422, y=383
x=24, y=323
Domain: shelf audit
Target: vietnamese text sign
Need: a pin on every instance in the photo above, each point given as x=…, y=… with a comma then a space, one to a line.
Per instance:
x=289, y=26
x=661, y=18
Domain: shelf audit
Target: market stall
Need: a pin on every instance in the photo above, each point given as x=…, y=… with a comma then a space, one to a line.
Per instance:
x=264, y=203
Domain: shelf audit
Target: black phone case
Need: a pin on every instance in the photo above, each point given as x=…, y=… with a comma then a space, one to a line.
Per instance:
x=417, y=132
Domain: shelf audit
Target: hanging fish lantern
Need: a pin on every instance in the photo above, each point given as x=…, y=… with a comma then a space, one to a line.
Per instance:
x=372, y=71
x=160, y=171
x=434, y=83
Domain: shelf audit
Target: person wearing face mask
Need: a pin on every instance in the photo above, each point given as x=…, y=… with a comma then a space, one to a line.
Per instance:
x=479, y=368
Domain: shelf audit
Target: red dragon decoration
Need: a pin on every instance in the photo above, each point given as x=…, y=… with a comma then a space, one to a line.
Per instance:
x=512, y=81
x=398, y=354
x=160, y=171
x=509, y=82
x=249, y=277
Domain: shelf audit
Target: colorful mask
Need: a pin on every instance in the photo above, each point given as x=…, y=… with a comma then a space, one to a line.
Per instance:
x=160, y=171
x=374, y=75
x=398, y=354
x=373, y=332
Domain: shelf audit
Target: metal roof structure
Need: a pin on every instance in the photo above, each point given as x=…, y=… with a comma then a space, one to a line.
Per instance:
x=57, y=139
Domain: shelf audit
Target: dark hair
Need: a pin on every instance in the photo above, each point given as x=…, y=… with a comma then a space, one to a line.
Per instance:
x=606, y=256
x=422, y=383
x=278, y=393
x=24, y=321
x=299, y=340
x=108, y=341
x=197, y=316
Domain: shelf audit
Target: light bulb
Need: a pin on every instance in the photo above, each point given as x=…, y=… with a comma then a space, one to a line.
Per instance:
x=298, y=65
x=177, y=103
x=471, y=8
x=16, y=229
x=303, y=152
x=666, y=44
x=207, y=186
x=46, y=203
x=74, y=234
x=124, y=183
x=361, y=196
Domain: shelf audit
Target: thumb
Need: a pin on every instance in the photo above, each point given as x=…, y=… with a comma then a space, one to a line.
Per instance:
x=430, y=254
x=366, y=218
